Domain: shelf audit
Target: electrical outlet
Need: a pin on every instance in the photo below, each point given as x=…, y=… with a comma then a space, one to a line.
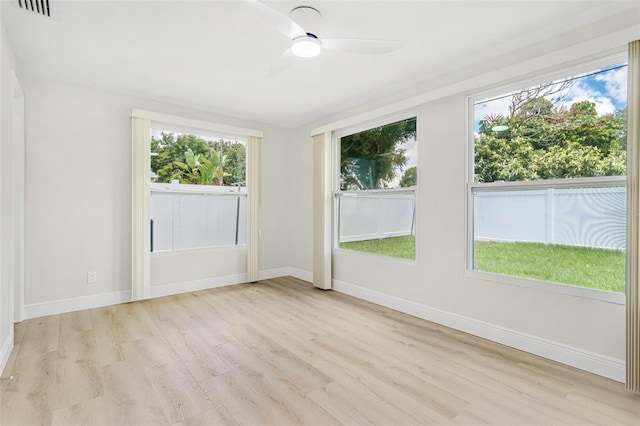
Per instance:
x=92, y=277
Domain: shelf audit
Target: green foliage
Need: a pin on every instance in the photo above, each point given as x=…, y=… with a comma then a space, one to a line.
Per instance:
x=410, y=177
x=191, y=159
x=202, y=169
x=372, y=158
x=234, y=164
x=546, y=142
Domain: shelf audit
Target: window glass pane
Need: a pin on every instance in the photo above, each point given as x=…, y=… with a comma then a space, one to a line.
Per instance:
x=380, y=223
x=376, y=207
x=198, y=193
x=562, y=129
x=378, y=158
x=555, y=231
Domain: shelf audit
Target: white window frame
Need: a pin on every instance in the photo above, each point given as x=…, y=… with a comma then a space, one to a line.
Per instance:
x=556, y=74
x=141, y=169
x=210, y=134
x=335, y=143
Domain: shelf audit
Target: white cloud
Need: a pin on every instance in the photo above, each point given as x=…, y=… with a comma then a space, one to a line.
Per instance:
x=580, y=91
x=492, y=107
x=615, y=83
x=615, y=93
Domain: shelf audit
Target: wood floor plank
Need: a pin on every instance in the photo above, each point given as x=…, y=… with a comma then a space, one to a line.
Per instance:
x=129, y=396
x=78, y=377
x=280, y=352
x=74, y=322
x=199, y=358
x=95, y=412
x=28, y=398
x=177, y=392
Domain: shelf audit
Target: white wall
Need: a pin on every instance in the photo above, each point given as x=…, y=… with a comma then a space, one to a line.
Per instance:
x=583, y=332
x=81, y=139
x=7, y=64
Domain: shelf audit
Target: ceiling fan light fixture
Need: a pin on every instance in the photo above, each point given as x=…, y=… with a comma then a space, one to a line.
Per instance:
x=306, y=47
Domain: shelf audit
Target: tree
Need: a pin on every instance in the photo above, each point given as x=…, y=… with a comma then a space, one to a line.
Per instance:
x=171, y=147
x=543, y=140
x=235, y=163
x=202, y=169
x=372, y=158
x=191, y=159
x=410, y=177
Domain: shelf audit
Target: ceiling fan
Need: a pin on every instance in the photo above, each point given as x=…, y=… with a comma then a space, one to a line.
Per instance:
x=302, y=26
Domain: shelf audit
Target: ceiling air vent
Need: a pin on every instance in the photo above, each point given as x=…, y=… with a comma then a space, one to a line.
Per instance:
x=40, y=7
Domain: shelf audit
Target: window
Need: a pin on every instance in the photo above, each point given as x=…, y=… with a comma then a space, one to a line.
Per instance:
x=548, y=199
x=198, y=190
x=376, y=184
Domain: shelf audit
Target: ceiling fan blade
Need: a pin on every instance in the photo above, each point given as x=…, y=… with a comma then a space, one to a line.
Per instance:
x=279, y=21
x=361, y=46
x=282, y=63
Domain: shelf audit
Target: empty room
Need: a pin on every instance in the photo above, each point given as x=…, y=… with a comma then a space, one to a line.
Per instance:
x=265, y=212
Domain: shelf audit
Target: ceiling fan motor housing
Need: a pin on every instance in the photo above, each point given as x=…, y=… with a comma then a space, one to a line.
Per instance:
x=308, y=18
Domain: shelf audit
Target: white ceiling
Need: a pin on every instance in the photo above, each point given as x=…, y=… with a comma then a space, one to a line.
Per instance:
x=215, y=55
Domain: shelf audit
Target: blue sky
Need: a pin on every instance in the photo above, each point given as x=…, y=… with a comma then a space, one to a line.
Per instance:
x=607, y=88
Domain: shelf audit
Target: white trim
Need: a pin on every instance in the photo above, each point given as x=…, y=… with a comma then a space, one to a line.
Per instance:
x=301, y=274
x=612, y=368
x=570, y=183
x=195, y=124
x=16, y=255
x=614, y=41
x=5, y=352
x=62, y=306
x=557, y=73
x=370, y=236
x=209, y=283
x=558, y=288
x=273, y=273
x=374, y=122
x=196, y=285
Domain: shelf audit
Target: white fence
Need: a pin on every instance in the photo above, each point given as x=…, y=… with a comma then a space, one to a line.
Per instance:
x=590, y=217
x=373, y=215
x=194, y=216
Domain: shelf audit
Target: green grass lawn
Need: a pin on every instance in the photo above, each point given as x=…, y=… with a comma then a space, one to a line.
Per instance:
x=580, y=266
x=402, y=247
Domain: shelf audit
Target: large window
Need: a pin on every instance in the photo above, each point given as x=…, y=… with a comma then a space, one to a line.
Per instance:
x=375, y=195
x=547, y=200
x=198, y=190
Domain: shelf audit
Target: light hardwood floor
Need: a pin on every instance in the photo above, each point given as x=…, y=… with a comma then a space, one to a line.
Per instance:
x=281, y=352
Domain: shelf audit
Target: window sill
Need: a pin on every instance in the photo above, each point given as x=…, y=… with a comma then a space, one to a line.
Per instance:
x=376, y=256
x=196, y=250
x=565, y=289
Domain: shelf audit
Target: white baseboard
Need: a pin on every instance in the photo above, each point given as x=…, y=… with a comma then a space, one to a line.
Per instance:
x=273, y=273
x=5, y=351
x=602, y=365
x=196, y=285
x=54, y=307
x=300, y=274
x=63, y=306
